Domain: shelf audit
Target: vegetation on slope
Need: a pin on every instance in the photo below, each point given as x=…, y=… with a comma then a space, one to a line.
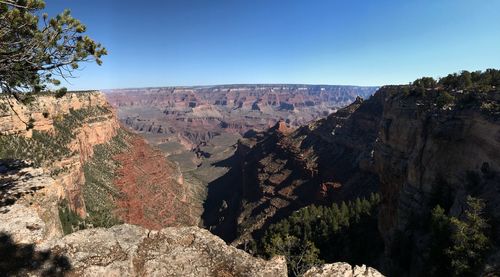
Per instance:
x=70, y=221
x=317, y=234
x=44, y=147
x=463, y=90
x=458, y=246
x=99, y=192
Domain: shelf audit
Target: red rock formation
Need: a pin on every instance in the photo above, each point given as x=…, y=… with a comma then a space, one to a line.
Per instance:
x=153, y=194
x=326, y=190
x=282, y=127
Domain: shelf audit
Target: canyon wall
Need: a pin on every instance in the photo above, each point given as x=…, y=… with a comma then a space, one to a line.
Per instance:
x=283, y=169
x=60, y=176
x=407, y=143
x=42, y=110
x=428, y=155
x=72, y=151
x=190, y=115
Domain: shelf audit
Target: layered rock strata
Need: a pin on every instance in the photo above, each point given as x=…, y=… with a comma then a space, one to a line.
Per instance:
x=279, y=171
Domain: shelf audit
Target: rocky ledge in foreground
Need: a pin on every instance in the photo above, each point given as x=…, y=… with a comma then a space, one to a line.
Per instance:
x=343, y=270
x=128, y=250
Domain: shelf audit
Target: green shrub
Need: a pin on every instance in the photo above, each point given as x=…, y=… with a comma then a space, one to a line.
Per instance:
x=301, y=255
x=61, y=92
x=469, y=240
x=444, y=98
x=425, y=82
x=4, y=107
x=30, y=124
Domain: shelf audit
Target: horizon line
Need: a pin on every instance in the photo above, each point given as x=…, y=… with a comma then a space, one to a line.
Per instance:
x=238, y=84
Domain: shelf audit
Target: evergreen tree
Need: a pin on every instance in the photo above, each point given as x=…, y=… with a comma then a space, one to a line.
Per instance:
x=425, y=82
x=34, y=52
x=300, y=255
x=348, y=233
x=344, y=214
x=469, y=241
x=440, y=239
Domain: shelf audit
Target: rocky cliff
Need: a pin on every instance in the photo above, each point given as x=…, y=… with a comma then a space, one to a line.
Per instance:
x=41, y=111
x=27, y=150
x=430, y=154
x=67, y=158
x=279, y=171
x=417, y=147
x=342, y=269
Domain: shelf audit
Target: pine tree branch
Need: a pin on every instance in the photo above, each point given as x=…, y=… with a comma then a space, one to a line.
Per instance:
x=11, y=3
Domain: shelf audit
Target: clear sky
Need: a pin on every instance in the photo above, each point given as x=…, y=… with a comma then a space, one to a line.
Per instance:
x=204, y=42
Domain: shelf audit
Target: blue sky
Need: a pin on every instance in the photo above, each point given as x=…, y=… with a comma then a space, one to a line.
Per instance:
x=204, y=42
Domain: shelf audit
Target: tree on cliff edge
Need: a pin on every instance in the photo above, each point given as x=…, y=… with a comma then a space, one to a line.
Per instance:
x=37, y=52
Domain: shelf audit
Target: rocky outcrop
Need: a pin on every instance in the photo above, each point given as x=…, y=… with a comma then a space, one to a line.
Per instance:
x=42, y=110
x=282, y=170
x=28, y=203
x=58, y=172
x=39, y=115
x=52, y=159
x=342, y=270
x=127, y=250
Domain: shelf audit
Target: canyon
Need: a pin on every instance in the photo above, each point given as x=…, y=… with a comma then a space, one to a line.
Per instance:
x=71, y=174
x=403, y=142
x=190, y=115
x=283, y=169
x=238, y=179
x=198, y=127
